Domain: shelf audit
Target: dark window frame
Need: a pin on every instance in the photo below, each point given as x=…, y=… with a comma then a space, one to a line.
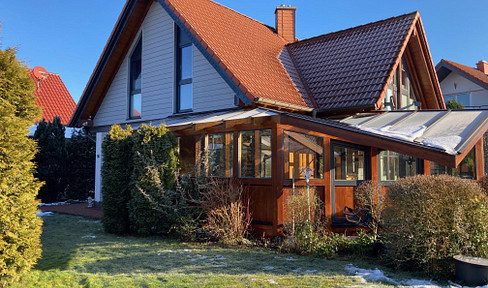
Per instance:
x=131, y=91
x=182, y=41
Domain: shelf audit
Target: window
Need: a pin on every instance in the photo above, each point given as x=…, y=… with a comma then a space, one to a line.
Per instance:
x=220, y=154
x=301, y=151
x=465, y=169
x=401, y=93
x=255, y=158
x=393, y=165
x=463, y=99
x=189, y=150
x=184, y=73
x=349, y=163
x=135, y=68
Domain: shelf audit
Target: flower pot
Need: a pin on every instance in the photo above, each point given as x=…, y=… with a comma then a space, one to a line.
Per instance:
x=472, y=271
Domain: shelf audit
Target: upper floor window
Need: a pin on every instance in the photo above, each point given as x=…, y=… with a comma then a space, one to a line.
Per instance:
x=135, y=75
x=463, y=99
x=184, y=58
x=401, y=93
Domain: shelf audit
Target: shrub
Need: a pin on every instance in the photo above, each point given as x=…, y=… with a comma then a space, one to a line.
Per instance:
x=429, y=219
x=368, y=195
x=51, y=159
x=81, y=166
x=225, y=210
x=116, y=175
x=153, y=207
x=20, y=229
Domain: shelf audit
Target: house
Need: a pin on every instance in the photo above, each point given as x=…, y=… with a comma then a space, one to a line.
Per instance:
x=52, y=96
x=467, y=85
x=362, y=103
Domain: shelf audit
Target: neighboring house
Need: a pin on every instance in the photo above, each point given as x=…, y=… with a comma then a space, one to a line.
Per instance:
x=266, y=105
x=467, y=85
x=53, y=97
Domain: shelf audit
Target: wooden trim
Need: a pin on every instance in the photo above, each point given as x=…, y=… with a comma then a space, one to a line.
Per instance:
x=426, y=167
x=374, y=164
x=479, y=159
x=327, y=182
x=370, y=140
x=278, y=163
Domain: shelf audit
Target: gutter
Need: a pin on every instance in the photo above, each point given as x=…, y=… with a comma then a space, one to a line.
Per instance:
x=260, y=100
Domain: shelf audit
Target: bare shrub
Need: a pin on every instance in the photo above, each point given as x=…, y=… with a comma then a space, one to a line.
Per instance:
x=368, y=195
x=225, y=209
x=429, y=219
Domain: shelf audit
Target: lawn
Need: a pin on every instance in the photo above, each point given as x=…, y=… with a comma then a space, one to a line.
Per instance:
x=77, y=253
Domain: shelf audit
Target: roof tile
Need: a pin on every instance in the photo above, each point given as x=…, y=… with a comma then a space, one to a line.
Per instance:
x=53, y=98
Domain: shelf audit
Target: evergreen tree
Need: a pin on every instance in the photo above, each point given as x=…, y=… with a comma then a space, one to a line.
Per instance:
x=20, y=229
x=80, y=166
x=51, y=159
x=453, y=104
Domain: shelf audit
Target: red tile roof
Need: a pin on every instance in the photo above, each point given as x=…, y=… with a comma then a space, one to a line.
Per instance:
x=468, y=71
x=348, y=69
x=246, y=49
x=53, y=97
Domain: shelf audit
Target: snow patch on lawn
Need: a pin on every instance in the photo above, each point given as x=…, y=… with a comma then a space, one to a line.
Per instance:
x=268, y=267
x=52, y=204
x=42, y=214
x=89, y=236
x=272, y=281
x=89, y=221
x=378, y=275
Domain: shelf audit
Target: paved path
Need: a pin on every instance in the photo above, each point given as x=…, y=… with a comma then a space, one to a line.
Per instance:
x=80, y=209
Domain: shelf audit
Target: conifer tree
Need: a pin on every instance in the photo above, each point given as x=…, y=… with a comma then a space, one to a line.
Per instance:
x=20, y=229
x=51, y=159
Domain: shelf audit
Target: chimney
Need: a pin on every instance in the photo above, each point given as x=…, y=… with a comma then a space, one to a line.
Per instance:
x=482, y=66
x=285, y=22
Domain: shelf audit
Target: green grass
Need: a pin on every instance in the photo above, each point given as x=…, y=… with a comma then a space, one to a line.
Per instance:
x=77, y=253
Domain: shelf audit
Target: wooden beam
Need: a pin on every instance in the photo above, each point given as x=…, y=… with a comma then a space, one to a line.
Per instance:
x=374, y=141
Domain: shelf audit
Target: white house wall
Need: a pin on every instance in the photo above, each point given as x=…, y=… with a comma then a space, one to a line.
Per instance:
x=455, y=84
x=210, y=91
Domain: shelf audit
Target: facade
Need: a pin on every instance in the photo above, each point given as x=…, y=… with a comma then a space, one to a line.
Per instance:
x=358, y=104
x=467, y=85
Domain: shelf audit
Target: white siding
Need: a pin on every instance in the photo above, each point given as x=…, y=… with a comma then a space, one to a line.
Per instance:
x=210, y=91
x=455, y=84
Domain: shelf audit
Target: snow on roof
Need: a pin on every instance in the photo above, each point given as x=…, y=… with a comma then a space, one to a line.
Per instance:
x=446, y=130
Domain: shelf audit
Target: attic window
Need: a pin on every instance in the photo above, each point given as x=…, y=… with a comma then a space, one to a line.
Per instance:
x=135, y=97
x=401, y=93
x=184, y=58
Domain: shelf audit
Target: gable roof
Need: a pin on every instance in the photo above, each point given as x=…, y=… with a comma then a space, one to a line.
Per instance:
x=445, y=67
x=349, y=69
x=53, y=97
x=245, y=49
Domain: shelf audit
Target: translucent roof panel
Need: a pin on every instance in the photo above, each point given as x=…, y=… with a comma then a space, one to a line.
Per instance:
x=448, y=131
x=385, y=119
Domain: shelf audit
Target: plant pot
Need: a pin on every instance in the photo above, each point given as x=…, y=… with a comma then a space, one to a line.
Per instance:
x=472, y=271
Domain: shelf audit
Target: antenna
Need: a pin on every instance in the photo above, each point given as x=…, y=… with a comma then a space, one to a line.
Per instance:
x=40, y=73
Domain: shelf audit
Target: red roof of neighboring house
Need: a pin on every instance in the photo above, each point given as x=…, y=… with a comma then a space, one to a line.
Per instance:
x=53, y=97
x=470, y=72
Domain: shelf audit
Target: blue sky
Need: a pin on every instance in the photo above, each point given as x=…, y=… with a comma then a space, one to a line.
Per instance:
x=67, y=37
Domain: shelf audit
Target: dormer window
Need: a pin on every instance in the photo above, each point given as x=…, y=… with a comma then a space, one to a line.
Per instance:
x=184, y=58
x=135, y=75
x=401, y=94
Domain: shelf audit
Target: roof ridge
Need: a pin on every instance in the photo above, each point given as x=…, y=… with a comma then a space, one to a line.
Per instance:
x=354, y=28
x=239, y=13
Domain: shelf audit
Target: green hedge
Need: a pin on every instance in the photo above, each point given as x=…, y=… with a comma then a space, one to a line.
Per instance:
x=116, y=175
x=152, y=207
x=20, y=229
x=429, y=219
